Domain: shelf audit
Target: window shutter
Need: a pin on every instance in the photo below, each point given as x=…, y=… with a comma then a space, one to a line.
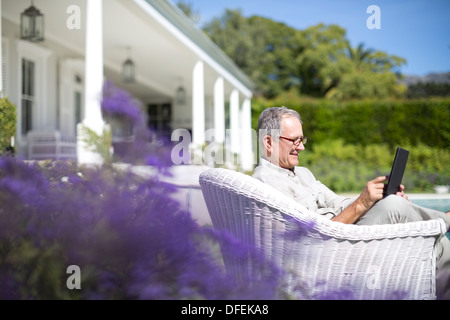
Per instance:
x=5, y=64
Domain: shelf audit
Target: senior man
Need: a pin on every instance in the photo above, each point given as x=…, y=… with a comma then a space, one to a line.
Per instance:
x=281, y=139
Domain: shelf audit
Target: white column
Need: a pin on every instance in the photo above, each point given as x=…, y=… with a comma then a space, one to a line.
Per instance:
x=1, y=53
x=198, y=105
x=219, y=111
x=234, y=122
x=94, y=81
x=248, y=135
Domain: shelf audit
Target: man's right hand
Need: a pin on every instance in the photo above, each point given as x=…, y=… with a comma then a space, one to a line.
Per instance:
x=372, y=193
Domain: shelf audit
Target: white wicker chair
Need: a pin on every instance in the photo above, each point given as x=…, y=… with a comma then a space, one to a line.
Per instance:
x=327, y=258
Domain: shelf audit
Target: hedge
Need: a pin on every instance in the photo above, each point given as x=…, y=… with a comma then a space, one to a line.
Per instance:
x=395, y=122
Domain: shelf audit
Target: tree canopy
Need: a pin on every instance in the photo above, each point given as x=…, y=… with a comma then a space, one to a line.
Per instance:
x=318, y=61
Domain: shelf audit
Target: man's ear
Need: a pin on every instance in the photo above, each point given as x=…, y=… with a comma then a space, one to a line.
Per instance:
x=267, y=141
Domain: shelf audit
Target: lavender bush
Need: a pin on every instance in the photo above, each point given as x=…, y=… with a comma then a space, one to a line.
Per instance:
x=127, y=235
x=129, y=238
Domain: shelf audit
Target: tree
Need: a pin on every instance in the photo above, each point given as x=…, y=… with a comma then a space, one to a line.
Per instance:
x=262, y=48
x=323, y=62
x=428, y=89
x=372, y=74
x=359, y=55
x=188, y=10
x=318, y=61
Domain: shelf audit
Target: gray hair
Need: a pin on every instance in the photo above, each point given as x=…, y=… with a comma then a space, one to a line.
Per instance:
x=269, y=121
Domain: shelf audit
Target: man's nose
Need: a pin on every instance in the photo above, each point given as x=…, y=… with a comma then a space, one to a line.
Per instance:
x=301, y=146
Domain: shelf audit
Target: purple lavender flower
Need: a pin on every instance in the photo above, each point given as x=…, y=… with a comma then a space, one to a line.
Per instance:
x=142, y=146
x=118, y=102
x=127, y=235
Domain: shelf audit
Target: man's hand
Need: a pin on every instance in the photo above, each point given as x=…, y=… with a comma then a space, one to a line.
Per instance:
x=401, y=193
x=372, y=193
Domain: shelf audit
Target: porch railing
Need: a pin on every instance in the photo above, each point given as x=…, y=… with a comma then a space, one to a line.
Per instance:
x=44, y=145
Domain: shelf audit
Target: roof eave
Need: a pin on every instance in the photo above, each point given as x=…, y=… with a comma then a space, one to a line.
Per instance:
x=185, y=25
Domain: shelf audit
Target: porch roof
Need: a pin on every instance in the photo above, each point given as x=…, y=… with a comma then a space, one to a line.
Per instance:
x=164, y=44
x=173, y=14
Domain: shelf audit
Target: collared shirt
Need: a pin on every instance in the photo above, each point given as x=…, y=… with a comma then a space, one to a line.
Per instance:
x=303, y=187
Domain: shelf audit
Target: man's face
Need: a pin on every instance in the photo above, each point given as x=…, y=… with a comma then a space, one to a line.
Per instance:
x=288, y=153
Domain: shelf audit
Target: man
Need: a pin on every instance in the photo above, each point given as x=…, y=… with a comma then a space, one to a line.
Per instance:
x=281, y=138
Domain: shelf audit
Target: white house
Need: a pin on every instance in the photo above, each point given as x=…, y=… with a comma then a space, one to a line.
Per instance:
x=56, y=83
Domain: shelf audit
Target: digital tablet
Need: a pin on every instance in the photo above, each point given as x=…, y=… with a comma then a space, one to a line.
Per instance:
x=397, y=171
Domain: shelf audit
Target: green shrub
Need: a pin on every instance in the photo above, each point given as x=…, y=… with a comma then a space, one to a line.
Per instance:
x=100, y=144
x=365, y=122
x=8, y=120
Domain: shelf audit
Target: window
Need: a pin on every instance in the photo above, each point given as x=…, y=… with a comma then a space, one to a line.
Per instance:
x=28, y=94
x=32, y=107
x=78, y=109
x=78, y=102
x=160, y=117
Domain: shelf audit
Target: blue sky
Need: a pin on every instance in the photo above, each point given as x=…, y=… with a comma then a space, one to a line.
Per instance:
x=417, y=30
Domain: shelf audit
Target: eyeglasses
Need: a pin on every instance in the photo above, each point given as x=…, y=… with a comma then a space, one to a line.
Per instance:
x=297, y=141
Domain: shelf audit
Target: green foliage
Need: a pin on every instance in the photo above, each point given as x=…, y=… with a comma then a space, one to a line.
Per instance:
x=318, y=61
x=364, y=122
x=188, y=10
x=428, y=89
x=262, y=48
x=362, y=84
x=100, y=144
x=36, y=268
x=8, y=120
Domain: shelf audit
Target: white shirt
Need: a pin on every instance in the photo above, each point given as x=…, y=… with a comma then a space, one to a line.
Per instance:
x=303, y=187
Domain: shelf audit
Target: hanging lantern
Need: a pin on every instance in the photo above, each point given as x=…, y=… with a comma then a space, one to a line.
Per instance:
x=32, y=24
x=181, y=96
x=128, y=70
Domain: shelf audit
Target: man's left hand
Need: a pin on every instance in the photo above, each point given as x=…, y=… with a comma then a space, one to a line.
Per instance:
x=401, y=193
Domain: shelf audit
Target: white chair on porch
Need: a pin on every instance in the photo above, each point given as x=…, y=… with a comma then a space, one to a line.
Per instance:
x=326, y=258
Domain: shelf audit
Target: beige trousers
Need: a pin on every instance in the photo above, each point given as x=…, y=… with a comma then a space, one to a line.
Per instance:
x=395, y=209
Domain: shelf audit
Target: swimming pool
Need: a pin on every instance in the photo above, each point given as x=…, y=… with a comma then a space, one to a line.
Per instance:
x=433, y=201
